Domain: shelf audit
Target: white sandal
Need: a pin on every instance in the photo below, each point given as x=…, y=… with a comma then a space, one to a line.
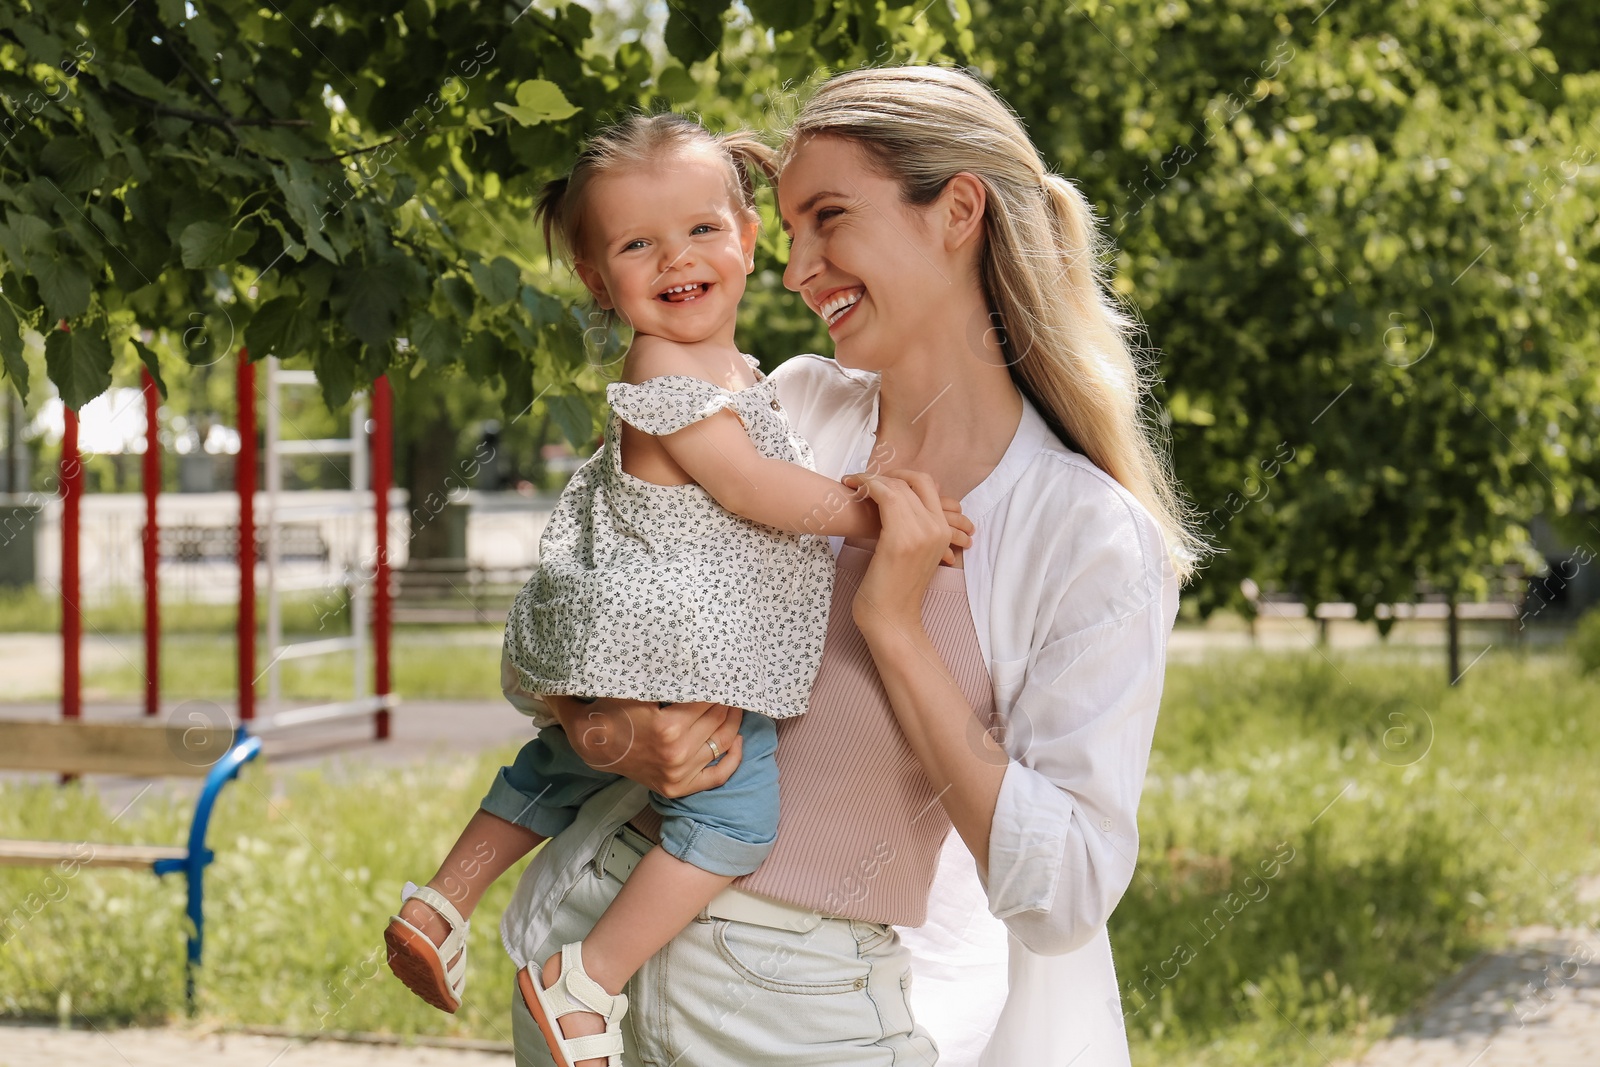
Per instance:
x=419, y=963
x=574, y=992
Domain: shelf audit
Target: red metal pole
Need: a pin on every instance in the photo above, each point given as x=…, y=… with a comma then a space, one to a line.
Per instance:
x=244, y=481
x=152, y=548
x=382, y=475
x=71, y=593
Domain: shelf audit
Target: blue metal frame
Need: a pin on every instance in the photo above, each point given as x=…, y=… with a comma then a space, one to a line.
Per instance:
x=245, y=748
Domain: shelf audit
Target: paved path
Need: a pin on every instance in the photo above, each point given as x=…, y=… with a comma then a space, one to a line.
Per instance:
x=42, y=1046
x=1535, y=1004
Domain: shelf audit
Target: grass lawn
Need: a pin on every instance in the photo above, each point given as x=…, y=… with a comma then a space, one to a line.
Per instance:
x=434, y=663
x=1321, y=843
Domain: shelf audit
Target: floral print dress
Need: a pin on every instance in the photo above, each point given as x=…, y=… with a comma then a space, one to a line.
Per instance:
x=657, y=592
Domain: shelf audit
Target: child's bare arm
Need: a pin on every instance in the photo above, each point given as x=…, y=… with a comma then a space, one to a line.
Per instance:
x=717, y=453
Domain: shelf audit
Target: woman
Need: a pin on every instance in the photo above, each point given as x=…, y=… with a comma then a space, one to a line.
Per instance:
x=978, y=355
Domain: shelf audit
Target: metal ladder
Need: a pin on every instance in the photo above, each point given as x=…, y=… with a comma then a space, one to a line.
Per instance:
x=355, y=581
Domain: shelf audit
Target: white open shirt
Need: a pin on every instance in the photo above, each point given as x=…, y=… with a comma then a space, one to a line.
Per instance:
x=1072, y=598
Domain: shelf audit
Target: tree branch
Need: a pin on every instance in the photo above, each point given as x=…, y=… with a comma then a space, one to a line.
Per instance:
x=228, y=122
x=353, y=152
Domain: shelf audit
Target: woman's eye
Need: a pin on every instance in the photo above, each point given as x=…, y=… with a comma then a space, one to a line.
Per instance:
x=826, y=213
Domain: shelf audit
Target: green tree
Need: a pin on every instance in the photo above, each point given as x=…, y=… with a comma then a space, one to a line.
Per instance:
x=1362, y=236
x=350, y=184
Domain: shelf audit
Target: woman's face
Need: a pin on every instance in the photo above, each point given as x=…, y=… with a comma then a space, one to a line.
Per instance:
x=861, y=258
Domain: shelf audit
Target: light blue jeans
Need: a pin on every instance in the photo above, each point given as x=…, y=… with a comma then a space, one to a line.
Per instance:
x=727, y=830
x=732, y=994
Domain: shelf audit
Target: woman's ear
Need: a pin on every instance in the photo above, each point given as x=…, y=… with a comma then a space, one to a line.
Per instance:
x=594, y=283
x=963, y=201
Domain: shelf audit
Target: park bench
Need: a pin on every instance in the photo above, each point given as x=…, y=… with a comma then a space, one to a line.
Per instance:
x=134, y=750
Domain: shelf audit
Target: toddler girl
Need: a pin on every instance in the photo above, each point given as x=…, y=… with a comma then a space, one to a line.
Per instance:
x=685, y=561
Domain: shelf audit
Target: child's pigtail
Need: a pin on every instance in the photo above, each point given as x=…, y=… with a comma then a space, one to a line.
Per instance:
x=750, y=156
x=549, y=213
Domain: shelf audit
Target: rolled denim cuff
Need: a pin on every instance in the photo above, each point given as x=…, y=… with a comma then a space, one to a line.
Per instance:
x=504, y=800
x=711, y=850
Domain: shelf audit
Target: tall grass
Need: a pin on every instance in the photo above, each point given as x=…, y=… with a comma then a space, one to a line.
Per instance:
x=1321, y=843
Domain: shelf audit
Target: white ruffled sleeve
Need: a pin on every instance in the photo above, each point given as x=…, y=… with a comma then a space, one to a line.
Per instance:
x=666, y=404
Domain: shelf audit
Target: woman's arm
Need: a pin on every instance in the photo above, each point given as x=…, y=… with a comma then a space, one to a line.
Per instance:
x=963, y=764
x=1053, y=823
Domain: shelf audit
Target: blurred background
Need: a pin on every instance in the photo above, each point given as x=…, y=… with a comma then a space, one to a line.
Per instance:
x=1362, y=239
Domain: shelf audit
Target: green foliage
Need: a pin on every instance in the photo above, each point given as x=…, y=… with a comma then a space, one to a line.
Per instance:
x=1363, y=239
x=319, y=180
x=1586, y=641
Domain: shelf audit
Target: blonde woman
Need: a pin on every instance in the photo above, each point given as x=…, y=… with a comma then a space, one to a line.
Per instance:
x=978, y=354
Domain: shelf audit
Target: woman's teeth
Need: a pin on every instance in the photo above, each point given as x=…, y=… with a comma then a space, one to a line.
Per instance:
x=679, y=293
x=834, y=309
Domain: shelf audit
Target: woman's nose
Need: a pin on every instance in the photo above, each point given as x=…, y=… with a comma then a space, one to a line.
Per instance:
x=802, y=264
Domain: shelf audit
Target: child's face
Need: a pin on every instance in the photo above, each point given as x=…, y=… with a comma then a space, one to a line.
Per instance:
x=653, y=230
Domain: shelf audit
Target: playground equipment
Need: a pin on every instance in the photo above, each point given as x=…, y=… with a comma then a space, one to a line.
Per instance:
x=146, y=750
x=367, y=587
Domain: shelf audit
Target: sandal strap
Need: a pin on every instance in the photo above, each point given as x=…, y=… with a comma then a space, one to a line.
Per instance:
x=584, y=990
x=435, y=900
x=594, y=1046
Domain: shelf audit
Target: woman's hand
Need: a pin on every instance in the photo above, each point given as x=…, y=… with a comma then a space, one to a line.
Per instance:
x=664, y=749
x=920, y=528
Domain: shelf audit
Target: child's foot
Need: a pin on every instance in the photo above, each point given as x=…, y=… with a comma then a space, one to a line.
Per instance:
x=427, y=947
x=578, y=1017
x=579, y=1023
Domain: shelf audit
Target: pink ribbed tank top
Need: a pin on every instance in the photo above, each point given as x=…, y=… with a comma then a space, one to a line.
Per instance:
x=859, y=827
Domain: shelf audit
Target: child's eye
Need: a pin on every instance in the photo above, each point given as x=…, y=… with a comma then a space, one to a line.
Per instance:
x=704, y=227
x=631, y=245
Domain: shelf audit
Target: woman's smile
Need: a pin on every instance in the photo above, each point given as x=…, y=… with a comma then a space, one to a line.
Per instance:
x=839, y=305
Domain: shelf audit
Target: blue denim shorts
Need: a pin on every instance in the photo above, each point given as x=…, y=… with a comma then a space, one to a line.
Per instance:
x=727, y=830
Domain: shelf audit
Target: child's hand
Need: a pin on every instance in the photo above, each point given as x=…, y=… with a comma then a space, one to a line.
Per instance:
x=961, y=527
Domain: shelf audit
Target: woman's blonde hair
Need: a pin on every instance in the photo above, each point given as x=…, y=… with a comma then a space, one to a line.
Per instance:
x=638, y=141
x=1068, y=341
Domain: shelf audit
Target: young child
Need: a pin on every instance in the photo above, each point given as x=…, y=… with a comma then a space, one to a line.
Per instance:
x=685, y=561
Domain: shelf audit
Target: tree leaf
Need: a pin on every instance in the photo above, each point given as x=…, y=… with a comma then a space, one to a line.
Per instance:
x=539, y=101
x=74, y=163
x=573, y=416
x=79, y=362
x=336, y=373
x=438, y=340
x=152, y=364
x=517, y=373
x=497, y=281
x=373, y=302
x=279, y=328
x=211, y=244
x=15, y=366
x=64, y=287
x=694, y=29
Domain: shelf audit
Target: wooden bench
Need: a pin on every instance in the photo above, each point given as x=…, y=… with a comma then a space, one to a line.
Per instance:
x=136, y=750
